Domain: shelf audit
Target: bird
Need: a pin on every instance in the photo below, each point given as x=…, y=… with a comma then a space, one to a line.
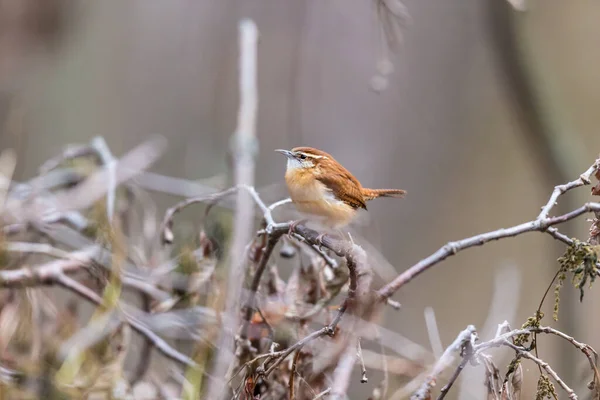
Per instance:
x=320, y=187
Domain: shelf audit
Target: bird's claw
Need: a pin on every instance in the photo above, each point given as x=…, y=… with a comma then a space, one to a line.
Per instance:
x=319, y=241
x=293, y=226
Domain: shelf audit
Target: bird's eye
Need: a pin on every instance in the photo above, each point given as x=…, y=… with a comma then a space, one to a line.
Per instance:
x=303, y=156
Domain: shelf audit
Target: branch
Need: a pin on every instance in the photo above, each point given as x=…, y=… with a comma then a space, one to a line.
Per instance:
x=584, y=179
x=358, y=299
x=341, y=374
x=525, y=354
x=452, y=248
x=464, y=342
x=156, y=340
x=244, y=149
x=542, y=223
x=69, y=263
x=250, y=305
x=49, y=272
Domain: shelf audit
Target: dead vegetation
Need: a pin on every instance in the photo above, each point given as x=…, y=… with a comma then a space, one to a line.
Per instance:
x=214, y=309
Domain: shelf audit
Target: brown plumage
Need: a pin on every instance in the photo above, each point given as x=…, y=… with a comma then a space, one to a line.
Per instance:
x=322, y=187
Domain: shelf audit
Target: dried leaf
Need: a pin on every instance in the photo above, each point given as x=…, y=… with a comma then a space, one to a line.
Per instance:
x=515, y=383
x=596, y=189
x=9, y=321
x=492, y=378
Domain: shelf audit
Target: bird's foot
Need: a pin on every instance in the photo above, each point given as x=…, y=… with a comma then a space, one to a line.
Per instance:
x=293, y=226
x=319, y=239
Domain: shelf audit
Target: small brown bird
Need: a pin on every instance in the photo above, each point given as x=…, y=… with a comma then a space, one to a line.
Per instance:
x=321, y=187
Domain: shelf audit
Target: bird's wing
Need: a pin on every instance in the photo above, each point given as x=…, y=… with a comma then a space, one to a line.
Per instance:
x=345, y=187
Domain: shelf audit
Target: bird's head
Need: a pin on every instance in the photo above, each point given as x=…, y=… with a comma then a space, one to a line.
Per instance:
x=304, y=157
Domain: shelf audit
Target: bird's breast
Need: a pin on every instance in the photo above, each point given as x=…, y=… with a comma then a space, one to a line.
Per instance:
x=312, y=197
x=304, y=187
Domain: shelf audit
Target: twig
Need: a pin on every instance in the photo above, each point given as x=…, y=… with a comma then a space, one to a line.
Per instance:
x=542, y=223
x=109, y=161
x=433, y=332
x=452, y=248
x=363, y=369
x=156, y=340
x=358, y=293
x=47, y=273
x=70, y=263
x=384, y=366
x=39, y=248
x=293, y=374
x=210, y=199
x=92, y=189
x=394, y=304
x=342, y=372
x=250, y=302
x=464, y=339
x=526, y=354
x=315, y=247
x=322, y=394
x=587, y=350
x=244, y=148
x=457, y=371
x=69, y=153
x=584, y=179
x=143, y=363
x=167, y=224
x=8, y=160
x=500, y=338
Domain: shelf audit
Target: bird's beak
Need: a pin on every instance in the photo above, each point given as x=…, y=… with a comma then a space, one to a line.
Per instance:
x=286, y=153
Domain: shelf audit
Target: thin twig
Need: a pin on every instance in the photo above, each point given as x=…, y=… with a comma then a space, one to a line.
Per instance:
x=358, y=293
x=457, y=371
x=465, y=338
x=542, y=223
x=322, y=394
x=250, y=302
x=342, y=372
x=291, y=384
x=110, y=163
x=544, y=365
x=584, y=179
x=244, y=148
x=156, y=340
x=47, y=273
x=452, y=248
x=363, y=369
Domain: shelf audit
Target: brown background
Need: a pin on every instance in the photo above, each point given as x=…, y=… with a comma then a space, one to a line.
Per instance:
x=453, y=127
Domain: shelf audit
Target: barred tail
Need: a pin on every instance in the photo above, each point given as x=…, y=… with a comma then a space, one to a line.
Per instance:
x=370, y=194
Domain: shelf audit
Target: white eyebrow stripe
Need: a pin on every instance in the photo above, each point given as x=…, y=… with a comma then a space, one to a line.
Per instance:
x=311, y=155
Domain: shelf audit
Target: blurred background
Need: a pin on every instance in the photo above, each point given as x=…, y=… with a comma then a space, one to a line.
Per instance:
x=486, y=109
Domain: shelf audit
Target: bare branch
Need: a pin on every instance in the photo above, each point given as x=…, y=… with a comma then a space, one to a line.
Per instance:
x=47, y=273
x=464, y=340
x=343, y=371
x=542, y=223
x=452, y=248
x=244, y=148
x=525, y=354
x=156, y=340
x=584, y=179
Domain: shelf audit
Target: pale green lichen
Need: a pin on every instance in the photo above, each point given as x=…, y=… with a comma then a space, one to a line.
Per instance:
x=580, y=259
x=545, y=389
